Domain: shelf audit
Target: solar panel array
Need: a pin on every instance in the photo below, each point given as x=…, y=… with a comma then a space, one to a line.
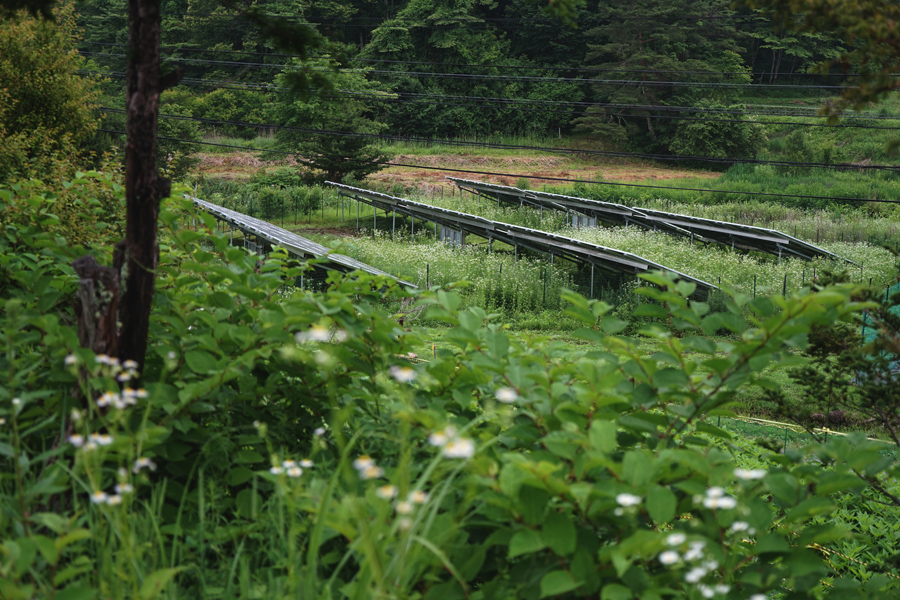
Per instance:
x=734, y=235
x=293, y=243
x=607, y=260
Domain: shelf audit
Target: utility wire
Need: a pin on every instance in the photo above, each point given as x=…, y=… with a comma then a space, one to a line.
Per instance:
x=510, y=104
x=539, y=177
x=439, y=75
x=445, y=142
x=484, y=66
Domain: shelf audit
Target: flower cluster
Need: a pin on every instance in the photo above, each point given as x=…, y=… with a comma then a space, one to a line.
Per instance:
x=92, y=442
x=110, y=365
x=367, y=468
x=747, y=474
x=716, y=498
x=127, y=398
x=291, y=467
x=316, y=333
x=452, y=445
x=143, y=463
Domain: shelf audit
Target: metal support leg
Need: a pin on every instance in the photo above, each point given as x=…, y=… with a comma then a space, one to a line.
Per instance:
x=592, y=280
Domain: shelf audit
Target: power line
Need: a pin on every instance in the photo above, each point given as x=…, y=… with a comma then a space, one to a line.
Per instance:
x=539, y=177
x=510, y=104
x=604, y=153
x=486, y=66
x=440, y=75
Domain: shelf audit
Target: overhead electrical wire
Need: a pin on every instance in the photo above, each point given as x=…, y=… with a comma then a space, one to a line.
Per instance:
x=604, y=153
x=439, y=75
x=510, y=104
x=483, y=66
x=540, y=177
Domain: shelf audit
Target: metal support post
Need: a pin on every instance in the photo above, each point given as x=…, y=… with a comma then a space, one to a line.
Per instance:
x=592, y=280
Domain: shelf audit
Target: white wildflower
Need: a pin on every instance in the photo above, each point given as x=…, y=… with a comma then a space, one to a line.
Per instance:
x=695, y=575
x=371, y=472
x=403, y=374
x=363, y=462
x=403, y=507
x=628, y=499
x=758, y=597
x=440, y=438
x=276, y=470
x=739, y=526
x=124, y=488
x=676, y=539
x=17, y=402
x=319, y=431
x=114, y=500
x=76, y=440
x=706, y=591
x=386, y=491
x=506, y=395
x=418, y=497
x=459, y=448
x=749, y=473
x=669, y=557
x=294, y=471
x=306, y=463
x=99, y=497
x=289, y=464
x=71, y=359
x=722, y=588
x=404, y=523
x=143, y=463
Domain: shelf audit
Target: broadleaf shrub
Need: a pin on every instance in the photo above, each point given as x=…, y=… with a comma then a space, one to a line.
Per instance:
x=285, y=443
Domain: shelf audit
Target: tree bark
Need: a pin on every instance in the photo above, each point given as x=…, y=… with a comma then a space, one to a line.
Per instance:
x=137, y=258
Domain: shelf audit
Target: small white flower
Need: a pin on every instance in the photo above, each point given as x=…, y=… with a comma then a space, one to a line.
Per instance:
x=276, y=470
x=669, y=557
x=171, y=355
x=90, y=447
x=306, y=463
x=102, y=439
x=17, y=402
x=76, y=415
x=363, y=462
x=758, y=597
x=130, y=365
x=619, y=511
x=340, y=336
x=76, y=440
x=418, y=497
x=99, y=497
x=123, y=472
x=628, y=500
x=371, y=472
x=403, y=507
x=459, y=448
x=695, y=575
x=143, y=463
x=506, y=395
x=288, y=464
x=440, y=438
x=386, y=491
x=403, y=374
x=294, y=471
x=725, y=502
x=707, y=591
x=739, y=526
x=710, y=565
x=114, y=500
x=722, y=588
x=124, y=376
x=749, y=473
x=103, y=359
x=676, y=539
x=106, y=399
x=2, y=421
x=319, y=431
x=715, y=492
x=71, y=359
x=141, y=393
x=404, y=523
x=124, y=488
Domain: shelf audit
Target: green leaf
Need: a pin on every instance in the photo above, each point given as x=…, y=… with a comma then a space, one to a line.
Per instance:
x=559, y=533
x=200, y=361
x=76, y=593
x=526, y=541
x=603, y=436
x=248, y=503
x=239, y=475
x=661, y=504
x=154, y=583
x=246, y=456
x=555, y=583
x=615, y=591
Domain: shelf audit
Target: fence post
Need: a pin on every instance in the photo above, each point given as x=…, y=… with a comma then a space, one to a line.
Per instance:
x=427, y=274
x=754, y=285
x=784, y=287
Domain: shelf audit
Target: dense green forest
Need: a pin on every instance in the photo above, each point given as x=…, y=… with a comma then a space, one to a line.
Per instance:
x=644, y=77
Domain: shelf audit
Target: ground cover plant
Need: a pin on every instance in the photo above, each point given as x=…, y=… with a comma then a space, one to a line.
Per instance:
x=283, y=442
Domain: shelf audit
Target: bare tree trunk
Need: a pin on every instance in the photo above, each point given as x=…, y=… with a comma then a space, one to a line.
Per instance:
x=136, y=258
